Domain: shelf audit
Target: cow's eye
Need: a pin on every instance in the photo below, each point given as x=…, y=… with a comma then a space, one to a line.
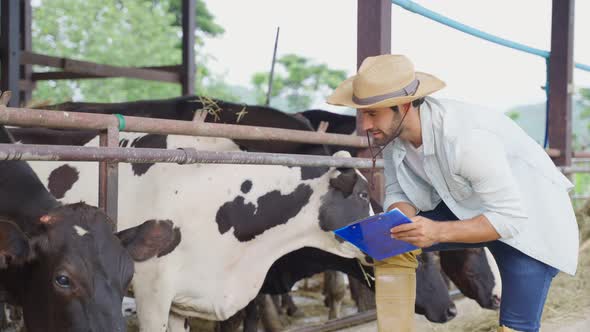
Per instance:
x=63, y=281
x=364, y=195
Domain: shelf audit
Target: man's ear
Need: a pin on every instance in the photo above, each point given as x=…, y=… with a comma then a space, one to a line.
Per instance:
x=152, y=238
x=14, y=244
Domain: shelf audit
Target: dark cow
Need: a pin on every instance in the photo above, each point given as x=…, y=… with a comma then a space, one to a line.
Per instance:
x=62, y=263
x=430, y=296
x=469, y=270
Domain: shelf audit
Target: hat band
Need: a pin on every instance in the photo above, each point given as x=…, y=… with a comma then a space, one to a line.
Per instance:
x=409, y=90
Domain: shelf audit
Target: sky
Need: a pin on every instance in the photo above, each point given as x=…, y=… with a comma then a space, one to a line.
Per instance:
x=475, y=70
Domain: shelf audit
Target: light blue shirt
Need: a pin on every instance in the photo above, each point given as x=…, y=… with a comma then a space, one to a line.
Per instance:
x=480, y=162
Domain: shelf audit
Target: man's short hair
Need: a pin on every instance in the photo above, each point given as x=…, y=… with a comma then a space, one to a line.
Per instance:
x=415, y=103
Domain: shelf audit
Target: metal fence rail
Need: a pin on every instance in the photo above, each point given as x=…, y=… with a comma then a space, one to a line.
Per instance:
x=33, y=152
x=71, y=120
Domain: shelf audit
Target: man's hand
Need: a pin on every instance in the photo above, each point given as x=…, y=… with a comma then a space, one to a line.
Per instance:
x=422, y=232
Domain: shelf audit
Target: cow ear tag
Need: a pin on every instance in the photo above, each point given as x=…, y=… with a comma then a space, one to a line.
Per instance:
x=47, y=219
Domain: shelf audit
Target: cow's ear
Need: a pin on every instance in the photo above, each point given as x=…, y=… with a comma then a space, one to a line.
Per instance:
x=150, y=239
x=14, y=244
x=344, y=182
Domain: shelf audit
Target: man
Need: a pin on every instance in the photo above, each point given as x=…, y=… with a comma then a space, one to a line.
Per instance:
x=447, y=161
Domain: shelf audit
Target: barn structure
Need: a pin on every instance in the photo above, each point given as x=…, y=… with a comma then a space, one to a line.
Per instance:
x=373, y=24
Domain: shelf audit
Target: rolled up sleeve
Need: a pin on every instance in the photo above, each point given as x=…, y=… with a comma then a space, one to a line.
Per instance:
x=393, y=191
x=482, y=160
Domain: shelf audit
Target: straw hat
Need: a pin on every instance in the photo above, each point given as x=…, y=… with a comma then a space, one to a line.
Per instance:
x=384, y=81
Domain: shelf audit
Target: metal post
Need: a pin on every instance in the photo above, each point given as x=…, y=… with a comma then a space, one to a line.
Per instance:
x=10, y=48
x=188, y=47
x=26, y=45
x=272, y=69
x=181, y=156
x=108, y=176
x=373, y=38
x=560, y=80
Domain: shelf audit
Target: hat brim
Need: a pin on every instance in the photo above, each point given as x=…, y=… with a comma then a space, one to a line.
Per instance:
x=342, y=95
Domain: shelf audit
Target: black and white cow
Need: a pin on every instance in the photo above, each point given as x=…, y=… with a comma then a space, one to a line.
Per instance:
x=62, y=263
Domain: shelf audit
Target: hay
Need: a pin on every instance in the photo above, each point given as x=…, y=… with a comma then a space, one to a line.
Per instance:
x=569, y=297
x=209, y=106
x=241, y=114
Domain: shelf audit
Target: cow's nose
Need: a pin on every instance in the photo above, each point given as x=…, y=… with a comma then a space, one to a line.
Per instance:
x=451, y=312
x=495, y=302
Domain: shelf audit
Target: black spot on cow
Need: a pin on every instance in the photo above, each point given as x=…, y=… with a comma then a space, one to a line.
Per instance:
x=273, y=209
x=246, y=186
x=147, y=141
x=308, y=173
x=61, y=180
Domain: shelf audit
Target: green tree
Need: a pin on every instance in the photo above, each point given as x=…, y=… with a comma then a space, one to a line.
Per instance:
x=298, y=81
x=581, y=180
x=206, y=24
x=585, y=102
x=118, y=32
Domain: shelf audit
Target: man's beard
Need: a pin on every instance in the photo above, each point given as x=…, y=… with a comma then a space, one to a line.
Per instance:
x=383, y=138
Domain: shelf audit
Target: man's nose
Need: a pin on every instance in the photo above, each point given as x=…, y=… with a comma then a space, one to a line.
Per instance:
x=367, y=124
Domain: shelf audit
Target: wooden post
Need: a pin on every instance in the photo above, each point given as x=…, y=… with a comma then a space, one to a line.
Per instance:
x=26, y=45
x=10, y=49
x=560, y=80
x=188, y=47
x=373, y=38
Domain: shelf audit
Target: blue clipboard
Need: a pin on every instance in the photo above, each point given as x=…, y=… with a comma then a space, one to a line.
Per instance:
x=372, y=235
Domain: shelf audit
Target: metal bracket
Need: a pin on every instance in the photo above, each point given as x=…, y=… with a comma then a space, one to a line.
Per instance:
x=5, y=98
x=200, y=116
x=323, y=126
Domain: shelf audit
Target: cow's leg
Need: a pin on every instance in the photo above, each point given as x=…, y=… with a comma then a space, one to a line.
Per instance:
x=289, y=305
x=276, y=299
x=335, y=289
x=361, y=294
x=270, y=316
x=177, y=323
x=252, y=315
x=153, y=299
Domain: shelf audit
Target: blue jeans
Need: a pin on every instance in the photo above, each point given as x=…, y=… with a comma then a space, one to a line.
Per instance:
x=525, y=280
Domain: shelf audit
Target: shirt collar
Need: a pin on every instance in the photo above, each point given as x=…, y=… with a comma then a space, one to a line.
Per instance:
x=427, y=128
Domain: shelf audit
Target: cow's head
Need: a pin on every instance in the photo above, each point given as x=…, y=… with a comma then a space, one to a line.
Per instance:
x=346, y=201
x=73, y=272
x=432, y=293
x=471, y=273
